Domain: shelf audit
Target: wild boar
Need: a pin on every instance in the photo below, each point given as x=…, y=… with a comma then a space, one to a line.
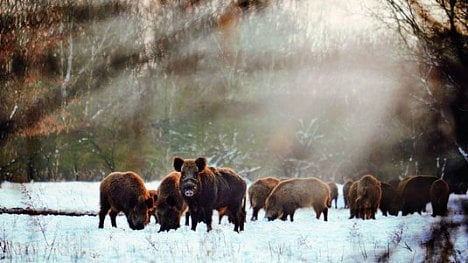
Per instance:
x=346, y=188
x=206, y=188
x=364, y=197
x=333, y=192
x=368, y=197
x=440, y=192
x=258, y=193
x=295, y=193
x=170, y=204
x=414, y=193
x=125, y=191
x=388, y=202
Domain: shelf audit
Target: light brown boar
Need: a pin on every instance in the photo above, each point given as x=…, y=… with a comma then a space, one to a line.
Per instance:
x=333, y=192
x=170, y=204
x=258, y=193
x=368, y=195
x=440, y=192
x=295, y=193
x=126, y=192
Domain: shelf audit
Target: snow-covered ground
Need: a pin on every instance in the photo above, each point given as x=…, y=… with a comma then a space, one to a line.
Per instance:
x=63, y=238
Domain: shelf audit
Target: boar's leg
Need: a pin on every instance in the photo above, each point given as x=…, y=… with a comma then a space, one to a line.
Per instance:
x=284, y=216
x=102, y=213
x=291, y=216
x=242, y=219
x=352, y=213
x=325, y=214
x=208, y=212
x=318, y=212
x=254, y=214
x=187, y=217
x=384, y=212
x=238, y=218
x=194, y=218
x=113, y=214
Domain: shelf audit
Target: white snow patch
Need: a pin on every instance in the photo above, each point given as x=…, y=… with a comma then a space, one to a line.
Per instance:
x=64, y=239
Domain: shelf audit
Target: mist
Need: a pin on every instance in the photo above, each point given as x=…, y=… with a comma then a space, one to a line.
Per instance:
x=281, y=88
x=279, y=70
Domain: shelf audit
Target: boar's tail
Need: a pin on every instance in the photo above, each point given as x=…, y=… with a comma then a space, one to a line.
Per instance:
x=243, y=202
x=329, y=201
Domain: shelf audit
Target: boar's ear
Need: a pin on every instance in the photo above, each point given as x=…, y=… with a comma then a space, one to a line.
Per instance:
x=171, y=201
x=149, y=202
x=155, y=197
x=178, y=162
x=201, y=163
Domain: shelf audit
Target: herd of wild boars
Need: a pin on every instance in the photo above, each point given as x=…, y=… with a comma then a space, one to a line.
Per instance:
x=410, y=195
x=196, y=189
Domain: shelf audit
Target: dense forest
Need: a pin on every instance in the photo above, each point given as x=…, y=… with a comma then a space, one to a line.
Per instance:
x=284, y=88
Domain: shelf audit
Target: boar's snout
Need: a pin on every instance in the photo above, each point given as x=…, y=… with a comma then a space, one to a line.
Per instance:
x=189, y=188
x=136, y=225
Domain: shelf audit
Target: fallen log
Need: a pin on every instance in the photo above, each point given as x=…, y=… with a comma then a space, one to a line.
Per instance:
x=35, y=212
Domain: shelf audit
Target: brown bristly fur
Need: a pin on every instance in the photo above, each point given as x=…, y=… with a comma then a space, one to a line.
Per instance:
x=170, y=204
x=414, y=193
x=439, y=197
x=258, y=193
x=333, y=192
x=295, y=193
x=125, y=191
x=206, y=188
x=346, y=188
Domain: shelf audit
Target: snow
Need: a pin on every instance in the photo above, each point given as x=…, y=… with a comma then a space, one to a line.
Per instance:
x=69, y=239
x=463, y=153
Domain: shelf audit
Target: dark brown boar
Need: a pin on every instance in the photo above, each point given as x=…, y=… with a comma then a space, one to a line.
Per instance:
x=295, y=193
x=206, y=188
x=125, y=191
x=439, y=197
x=388, y=202
x=365, y=197
x=414, y=193
x=346, y=188
x=258, y=193
x=333, y=192
x=170, y=204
